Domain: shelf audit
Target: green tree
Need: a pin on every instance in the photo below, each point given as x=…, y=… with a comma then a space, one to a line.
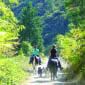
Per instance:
x=33, y=26
x=9, y=30
x=72, y=44
x=75, y=12
x=10, y=3
x=26, y=48
x=54, y=5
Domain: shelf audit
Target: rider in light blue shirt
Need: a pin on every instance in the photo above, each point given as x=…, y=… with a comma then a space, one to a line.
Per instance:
x=35, y=52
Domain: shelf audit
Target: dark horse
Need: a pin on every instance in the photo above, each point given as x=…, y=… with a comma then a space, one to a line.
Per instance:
x=35, y=60
x=53, y=66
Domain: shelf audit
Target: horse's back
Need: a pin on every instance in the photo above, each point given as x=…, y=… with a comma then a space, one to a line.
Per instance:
x=37, y=60
x=52, y=65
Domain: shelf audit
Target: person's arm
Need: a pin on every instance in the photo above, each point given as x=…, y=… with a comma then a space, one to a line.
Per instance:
x=57, y=54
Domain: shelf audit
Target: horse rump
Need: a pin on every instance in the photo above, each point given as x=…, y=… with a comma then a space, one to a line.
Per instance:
x=52, y=66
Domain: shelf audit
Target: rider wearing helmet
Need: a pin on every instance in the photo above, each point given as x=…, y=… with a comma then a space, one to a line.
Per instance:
x=54, y=56
x=35, y=54
x=53, y=52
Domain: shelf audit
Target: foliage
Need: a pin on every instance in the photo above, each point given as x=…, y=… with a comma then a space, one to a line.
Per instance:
x=33, y=26
x=10, y=3
x=10, y=72
x=72, y=44
x=75, y=12
x=26, y=48
x=50, y=11
x=9, y=29
x=54, y=5
x=11, y=69
x=72, y=48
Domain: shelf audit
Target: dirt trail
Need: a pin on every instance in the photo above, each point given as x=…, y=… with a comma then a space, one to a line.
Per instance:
x=36, y=80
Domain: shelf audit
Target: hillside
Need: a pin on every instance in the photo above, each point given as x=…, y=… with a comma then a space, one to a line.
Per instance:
x=52, y=24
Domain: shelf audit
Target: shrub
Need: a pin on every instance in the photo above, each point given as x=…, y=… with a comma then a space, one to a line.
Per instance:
x=10, y=72
x=26, y=48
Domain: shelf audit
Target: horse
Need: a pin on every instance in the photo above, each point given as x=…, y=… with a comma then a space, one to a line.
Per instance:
x=35, y=61
x=53, y=67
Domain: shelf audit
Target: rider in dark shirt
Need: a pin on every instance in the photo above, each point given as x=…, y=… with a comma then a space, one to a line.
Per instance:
x=53, y=52
x=54, y=55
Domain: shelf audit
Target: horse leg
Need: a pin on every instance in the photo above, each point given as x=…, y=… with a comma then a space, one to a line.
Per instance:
x=55, y=73
x=33, y=68
x=51, y=76
x=47, y=72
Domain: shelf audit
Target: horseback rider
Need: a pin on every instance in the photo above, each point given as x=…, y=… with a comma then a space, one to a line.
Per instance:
x=35, y=55
x=35, y=59
x=54, y=56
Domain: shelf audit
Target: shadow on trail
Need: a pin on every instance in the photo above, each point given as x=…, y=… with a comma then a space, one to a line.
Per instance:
x=40, y=77
x=40, y=81
x=46, y=82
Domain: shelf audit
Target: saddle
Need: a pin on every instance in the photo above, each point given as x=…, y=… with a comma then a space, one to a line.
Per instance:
x=54, y=60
